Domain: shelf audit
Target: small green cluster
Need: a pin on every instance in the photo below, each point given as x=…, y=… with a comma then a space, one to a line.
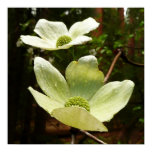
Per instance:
x=62, y=40
x=78, y=101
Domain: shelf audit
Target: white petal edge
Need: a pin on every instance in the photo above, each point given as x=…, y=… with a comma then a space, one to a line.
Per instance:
x=84, y=27
x=40, y=43
x=80, y=40
x=77, y=41
x=37, y=42
x=110, y=99
x=49, y=30
x=78, y=118
x=45, y=102
x=51, y=80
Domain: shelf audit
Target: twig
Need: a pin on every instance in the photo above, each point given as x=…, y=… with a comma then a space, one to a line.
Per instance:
x=93, y=137
x=72, y=139
x=112, y=65
x=73, y=135
x=126, y=59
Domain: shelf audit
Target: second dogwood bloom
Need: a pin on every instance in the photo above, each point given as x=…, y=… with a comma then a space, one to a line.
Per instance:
x=82, y=100
x=55, y=35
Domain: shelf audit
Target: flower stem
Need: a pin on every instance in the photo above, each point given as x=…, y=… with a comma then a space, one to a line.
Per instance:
x=73, y=135
x=112, y=65
x=72, y=139
x=93, y=137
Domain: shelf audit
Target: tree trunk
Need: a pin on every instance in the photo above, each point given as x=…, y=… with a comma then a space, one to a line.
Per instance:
x=98, y=14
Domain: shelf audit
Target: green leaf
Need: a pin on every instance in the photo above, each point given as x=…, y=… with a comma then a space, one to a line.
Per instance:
x=109, y=52
x=50, y=80
x=141, y=23
x=117, y=44
x=110, y=99
x=136, y=108
x=84, y=77
x=79, y=118
x=45, y=102
x=141, y=120
x=142, y=52
x=131, y=35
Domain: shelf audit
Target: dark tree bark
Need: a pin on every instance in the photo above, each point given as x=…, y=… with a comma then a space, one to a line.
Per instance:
x=98, y=15
x=18, y=79
x=121, y=17
x=131, y=42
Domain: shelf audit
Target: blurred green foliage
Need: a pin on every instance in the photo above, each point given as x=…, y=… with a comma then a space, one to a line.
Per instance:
x=27, y=121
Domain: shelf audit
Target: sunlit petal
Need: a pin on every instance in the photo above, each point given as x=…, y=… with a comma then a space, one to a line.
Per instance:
x=84, y=77
x=84, y=27
x=78, y=118
x=50, y=80
x=49, y=30
x=37, y=42
x=48, y=104
x=110, y=99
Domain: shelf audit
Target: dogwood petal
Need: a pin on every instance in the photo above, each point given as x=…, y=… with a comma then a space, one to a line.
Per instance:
x=45, y=102
x=84, y=77
x=78, y=118
x=80, y=40
x=49, y=30
x=77, y=41
x=37, y=42
x=50, y=80
x=84, y=27
x=110, y=99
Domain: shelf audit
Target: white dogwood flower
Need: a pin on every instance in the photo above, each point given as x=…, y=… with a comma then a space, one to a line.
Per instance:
x=81, y=100
x=55, y=35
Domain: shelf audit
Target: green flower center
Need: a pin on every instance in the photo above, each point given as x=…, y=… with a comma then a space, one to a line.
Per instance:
x=78, y=101
x=62, y=40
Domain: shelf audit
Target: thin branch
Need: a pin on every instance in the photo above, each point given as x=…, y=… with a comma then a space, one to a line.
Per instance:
x=93, y=137
x=72, y=139
x=130, y=61
x=112, y=66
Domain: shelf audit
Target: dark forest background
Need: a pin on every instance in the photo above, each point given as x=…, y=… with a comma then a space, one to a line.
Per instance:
x=27, y=122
